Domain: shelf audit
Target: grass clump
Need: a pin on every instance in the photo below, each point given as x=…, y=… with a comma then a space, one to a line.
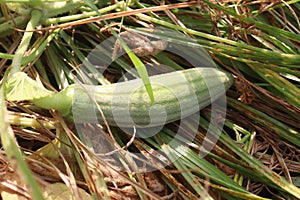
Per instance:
x=248, y=152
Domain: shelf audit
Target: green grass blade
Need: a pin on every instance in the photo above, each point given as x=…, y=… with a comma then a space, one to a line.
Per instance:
x=204, y=169
x=142, y=71
x=140, y=67
x=190, y=178
x=264, y=172
x=290, y=91
x=40, y=49
x=264, y=120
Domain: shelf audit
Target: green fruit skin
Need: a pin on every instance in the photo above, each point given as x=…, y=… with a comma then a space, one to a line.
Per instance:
x=126, y=104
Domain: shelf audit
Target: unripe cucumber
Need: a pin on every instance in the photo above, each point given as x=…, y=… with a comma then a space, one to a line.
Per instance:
x=177, y=95
x=126, y=104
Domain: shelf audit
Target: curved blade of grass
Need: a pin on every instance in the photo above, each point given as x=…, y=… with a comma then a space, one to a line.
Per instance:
x=120, y=62
x=141, y=69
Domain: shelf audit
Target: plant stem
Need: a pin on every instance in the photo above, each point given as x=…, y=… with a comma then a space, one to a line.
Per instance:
x=6, y=28
x=19, y=54
x=6, y=56
x=69, y=18
x=40, y=49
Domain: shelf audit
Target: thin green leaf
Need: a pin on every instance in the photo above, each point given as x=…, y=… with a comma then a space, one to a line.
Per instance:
x=190, y=178
x=264, y=172
x=141, y=69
